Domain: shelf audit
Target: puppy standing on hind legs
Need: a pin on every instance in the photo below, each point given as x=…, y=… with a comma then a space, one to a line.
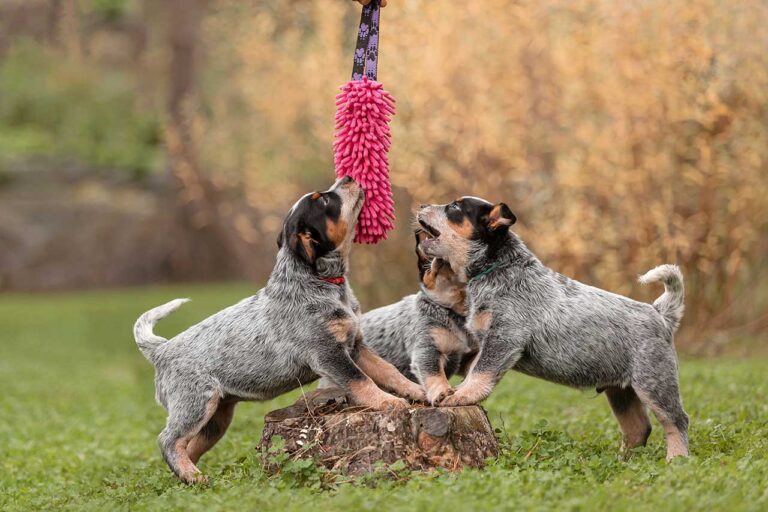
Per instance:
x=531, y=319
x=303, y=325
x=424, y=334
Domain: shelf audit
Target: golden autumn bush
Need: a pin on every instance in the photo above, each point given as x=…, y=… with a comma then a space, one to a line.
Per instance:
x=622, y=134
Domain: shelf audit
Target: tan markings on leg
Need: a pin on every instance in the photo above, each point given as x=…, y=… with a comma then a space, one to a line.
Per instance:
x=635, y=424
x=632, y=418
x=212, y=432
x=366, y=393
x=446, y=342
x=437, y=386
x=385, y=374
x=676, y=444
x=475, y=388
x=342, y=328
x=187, y=469
x=337, y=231
x=480, y=321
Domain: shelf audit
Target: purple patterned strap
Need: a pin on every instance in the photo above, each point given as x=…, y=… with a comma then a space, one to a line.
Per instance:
x=367, y=49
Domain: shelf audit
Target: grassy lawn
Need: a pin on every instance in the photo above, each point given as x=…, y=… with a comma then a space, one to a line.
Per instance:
x=78, y=424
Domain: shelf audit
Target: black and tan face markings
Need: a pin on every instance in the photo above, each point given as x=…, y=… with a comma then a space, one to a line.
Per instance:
x=314, y=226
x=477, y=219
x=336, y=231
x=459, y=218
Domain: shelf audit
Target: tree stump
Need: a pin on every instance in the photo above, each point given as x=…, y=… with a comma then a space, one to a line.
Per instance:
x=323, y=426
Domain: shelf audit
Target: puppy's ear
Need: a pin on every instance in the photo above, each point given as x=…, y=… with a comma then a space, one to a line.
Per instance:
x=304, y=246
x=422, y=260
x=299, y=242
x=500, y=218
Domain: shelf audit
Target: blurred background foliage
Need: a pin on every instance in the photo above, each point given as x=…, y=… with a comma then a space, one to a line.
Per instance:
x=145, y=141
x=63, y=109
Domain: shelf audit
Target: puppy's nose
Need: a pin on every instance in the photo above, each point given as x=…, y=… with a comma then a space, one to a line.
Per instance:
x=346, y=180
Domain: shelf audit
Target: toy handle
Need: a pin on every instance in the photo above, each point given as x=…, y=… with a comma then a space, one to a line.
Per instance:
x=367, y=50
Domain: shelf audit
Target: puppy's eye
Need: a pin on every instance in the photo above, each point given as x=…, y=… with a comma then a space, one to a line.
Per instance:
x=454, y=206
x=325, y=200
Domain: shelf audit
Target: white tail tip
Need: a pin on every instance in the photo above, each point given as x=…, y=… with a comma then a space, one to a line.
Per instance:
x=663, y=273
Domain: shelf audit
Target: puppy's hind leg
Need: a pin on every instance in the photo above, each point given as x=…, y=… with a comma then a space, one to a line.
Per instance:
x=212, y=432
x=187, y=415
x=630, y=412
x=657, y=387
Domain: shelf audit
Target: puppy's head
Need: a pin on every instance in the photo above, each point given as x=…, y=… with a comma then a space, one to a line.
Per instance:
x=439, y=281
x=452, y=229
x=323, y=222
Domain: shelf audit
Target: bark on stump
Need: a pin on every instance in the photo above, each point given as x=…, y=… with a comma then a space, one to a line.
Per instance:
x=322, y=425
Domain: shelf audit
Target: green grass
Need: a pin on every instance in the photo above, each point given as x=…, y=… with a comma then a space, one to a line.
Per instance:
x=78, y=424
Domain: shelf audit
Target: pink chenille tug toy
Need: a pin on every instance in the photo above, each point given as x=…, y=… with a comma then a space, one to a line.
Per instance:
x=362, y=136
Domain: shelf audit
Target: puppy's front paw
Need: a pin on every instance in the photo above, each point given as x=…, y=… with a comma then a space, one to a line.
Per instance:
x=437, y=393
x=457, y=399
x=393, y=403
x=475, y=388
x=368, y=394
x=416, y=393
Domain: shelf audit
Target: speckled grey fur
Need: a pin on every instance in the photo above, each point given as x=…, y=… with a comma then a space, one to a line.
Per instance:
x=547, y=325
x=550, y=326
x=257, y=349
x=400, y=333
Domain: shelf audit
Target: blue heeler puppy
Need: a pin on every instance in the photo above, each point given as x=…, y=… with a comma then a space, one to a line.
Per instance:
x=424, y=334
x=531, y=319
x=304, y=324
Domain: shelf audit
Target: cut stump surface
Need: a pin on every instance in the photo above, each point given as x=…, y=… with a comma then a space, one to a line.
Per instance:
x=322, y=425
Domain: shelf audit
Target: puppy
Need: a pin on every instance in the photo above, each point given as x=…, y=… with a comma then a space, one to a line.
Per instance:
x=533, y=320
x=423, y=335
x=302, y=325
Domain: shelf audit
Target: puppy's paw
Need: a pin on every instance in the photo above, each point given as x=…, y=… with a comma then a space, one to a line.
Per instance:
x=367, y=394
x=438, y=393
x=194, y=478
x=393, y=403
x=457, y=399
x=475, y=388
x=416, y=393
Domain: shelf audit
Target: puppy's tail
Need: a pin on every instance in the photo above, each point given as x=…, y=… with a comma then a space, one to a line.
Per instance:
x=142, y=330
x=670, y=304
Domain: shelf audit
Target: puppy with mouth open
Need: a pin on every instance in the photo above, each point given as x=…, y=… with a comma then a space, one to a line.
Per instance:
x=424, y=334
x=304, y=324
x=529, y=318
